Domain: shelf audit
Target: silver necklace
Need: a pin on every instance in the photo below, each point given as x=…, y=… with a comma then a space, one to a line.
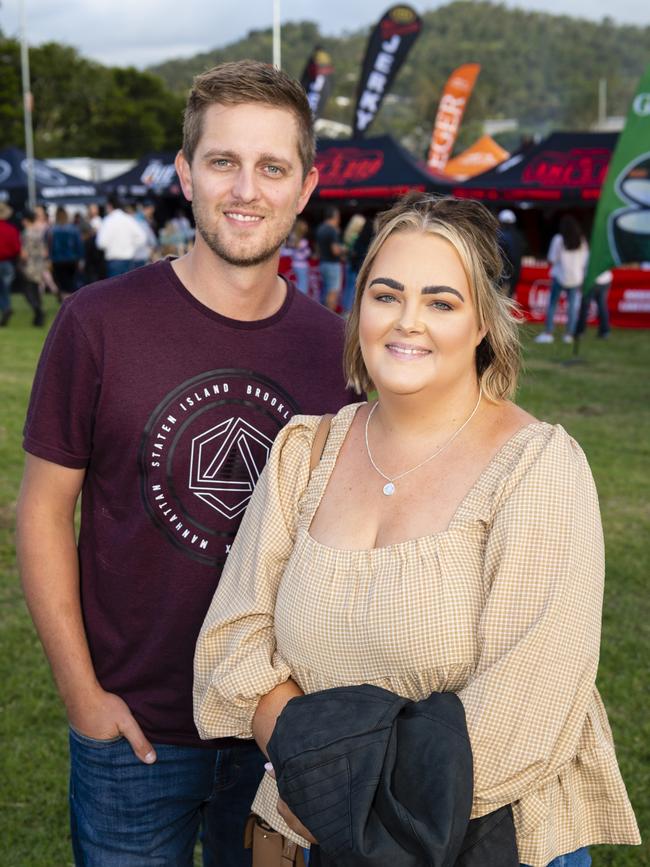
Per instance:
x=389, y=487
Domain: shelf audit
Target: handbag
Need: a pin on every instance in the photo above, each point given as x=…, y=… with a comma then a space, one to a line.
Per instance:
x=270, y=847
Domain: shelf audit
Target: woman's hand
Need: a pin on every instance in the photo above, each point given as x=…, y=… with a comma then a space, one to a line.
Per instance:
x=294, y=822
x=290, y=818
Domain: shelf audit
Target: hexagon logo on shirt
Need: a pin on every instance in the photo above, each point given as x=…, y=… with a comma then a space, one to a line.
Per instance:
x=202, y=452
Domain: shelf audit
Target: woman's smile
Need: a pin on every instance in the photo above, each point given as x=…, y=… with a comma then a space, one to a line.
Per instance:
x=407, y=351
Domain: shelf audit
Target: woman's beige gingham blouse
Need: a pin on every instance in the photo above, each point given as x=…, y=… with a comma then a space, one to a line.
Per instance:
x=502, y=608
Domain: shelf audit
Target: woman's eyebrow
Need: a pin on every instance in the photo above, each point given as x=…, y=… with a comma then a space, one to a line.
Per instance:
x=426, y=290
x=437, y=290
x=388, y=281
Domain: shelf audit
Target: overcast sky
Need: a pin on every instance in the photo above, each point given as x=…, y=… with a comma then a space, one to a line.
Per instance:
x=142, y=32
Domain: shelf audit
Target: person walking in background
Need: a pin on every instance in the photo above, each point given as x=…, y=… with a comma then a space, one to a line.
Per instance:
x=144, y=254
x=331, y=253
x=350, y=234
x=94, y=262
x=9, y=251
x=33, y=263
x=157, y=398
x=511, y=247
x=66, y=253
x=300, y=253
x=120, y=236
x=568, y=255
x=94, y=216
x=598, y=292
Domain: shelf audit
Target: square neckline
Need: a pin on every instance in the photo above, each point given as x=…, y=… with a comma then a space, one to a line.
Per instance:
x=331, y=451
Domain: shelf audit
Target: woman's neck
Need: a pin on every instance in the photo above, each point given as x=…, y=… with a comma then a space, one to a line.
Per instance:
x=425, y=415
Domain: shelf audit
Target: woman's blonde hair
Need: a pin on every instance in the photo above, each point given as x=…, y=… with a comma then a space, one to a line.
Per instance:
x=472, y=231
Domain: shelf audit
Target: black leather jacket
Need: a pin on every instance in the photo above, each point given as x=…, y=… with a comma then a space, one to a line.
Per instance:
x=382, y=781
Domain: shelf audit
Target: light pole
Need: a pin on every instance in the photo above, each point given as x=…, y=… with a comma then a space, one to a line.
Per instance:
x=27, y=108
x=277, y=51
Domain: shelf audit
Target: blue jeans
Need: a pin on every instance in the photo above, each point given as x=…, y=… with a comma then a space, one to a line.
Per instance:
x=7, y=273
x=115, y=267
x=573, y=304
x=599, y=291
x=579, y=858
x=124, y=813
x=331, y=275
x=349, y=288
x=301, y=273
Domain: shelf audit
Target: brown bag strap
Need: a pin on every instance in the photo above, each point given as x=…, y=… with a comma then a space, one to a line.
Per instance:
x=320, y=438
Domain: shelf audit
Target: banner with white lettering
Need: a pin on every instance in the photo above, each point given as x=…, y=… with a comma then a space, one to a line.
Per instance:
x=451, y=108
x=388, y=46
x=317, y=80
x=621, y=232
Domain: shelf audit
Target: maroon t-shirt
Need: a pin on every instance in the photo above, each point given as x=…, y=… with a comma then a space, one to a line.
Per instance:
x=171, y=409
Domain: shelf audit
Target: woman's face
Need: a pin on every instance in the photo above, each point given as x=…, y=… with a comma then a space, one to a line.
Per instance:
x=418, y=328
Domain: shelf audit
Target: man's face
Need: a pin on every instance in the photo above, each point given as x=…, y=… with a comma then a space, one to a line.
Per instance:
x=246, y=181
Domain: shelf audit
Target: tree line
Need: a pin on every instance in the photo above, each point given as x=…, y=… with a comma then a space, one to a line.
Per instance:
x=540, y=69
x=82, y=108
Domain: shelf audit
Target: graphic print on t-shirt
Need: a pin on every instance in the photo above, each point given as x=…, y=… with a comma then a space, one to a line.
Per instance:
x=203, y=450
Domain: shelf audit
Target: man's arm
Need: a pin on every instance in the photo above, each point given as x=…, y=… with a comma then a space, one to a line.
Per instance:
x=49, y=568
x=339, y=250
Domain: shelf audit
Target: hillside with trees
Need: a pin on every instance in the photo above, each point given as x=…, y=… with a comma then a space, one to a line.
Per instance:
x=541, y=70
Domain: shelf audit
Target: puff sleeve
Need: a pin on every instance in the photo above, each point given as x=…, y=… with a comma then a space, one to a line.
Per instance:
x=539, y=635
x=236, y=661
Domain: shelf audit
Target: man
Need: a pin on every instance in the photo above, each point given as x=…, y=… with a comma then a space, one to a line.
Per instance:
x=160, y=393
x=9, y=250
x=331, y=252
x=120, y=236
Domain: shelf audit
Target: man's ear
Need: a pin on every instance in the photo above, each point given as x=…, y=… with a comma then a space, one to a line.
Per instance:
x=308, y=186
x=184, y=173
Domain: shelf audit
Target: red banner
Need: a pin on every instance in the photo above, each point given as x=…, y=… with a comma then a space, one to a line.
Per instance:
x=628, y=301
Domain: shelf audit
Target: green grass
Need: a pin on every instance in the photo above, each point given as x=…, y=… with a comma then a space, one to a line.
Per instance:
x=603, y=402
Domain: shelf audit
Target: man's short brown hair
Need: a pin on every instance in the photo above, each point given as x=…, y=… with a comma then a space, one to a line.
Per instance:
x=246, y=81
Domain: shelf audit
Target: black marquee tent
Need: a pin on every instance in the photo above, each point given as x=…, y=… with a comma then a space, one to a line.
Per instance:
x=153, y=175
x=52, y=186
x=369, y=169
x=566, y=169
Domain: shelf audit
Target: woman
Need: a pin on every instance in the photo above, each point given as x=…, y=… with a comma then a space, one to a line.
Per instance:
x=446, y=542
x=568, y=255
x=33, y=264
x=300, y=253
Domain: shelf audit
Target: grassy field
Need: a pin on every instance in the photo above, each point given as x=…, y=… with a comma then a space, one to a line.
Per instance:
x=604, y=402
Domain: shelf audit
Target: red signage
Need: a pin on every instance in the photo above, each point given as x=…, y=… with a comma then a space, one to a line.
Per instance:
x=628, y=300
x=347, y=165
x=578, y=167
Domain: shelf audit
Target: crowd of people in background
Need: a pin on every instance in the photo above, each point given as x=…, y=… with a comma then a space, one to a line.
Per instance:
x=59, y=255
x=61, y=252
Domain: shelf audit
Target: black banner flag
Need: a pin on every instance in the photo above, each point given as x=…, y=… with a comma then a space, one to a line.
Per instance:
x=317, y=80
x=388, y=45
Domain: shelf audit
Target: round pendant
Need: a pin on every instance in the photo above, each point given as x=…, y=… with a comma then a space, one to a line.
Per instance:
x=389, y=489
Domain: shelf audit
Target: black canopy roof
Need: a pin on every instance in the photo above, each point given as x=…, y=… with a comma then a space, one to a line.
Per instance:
x=565, y=169
x=52, y=185
x=154, y=174
x=369, y=168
